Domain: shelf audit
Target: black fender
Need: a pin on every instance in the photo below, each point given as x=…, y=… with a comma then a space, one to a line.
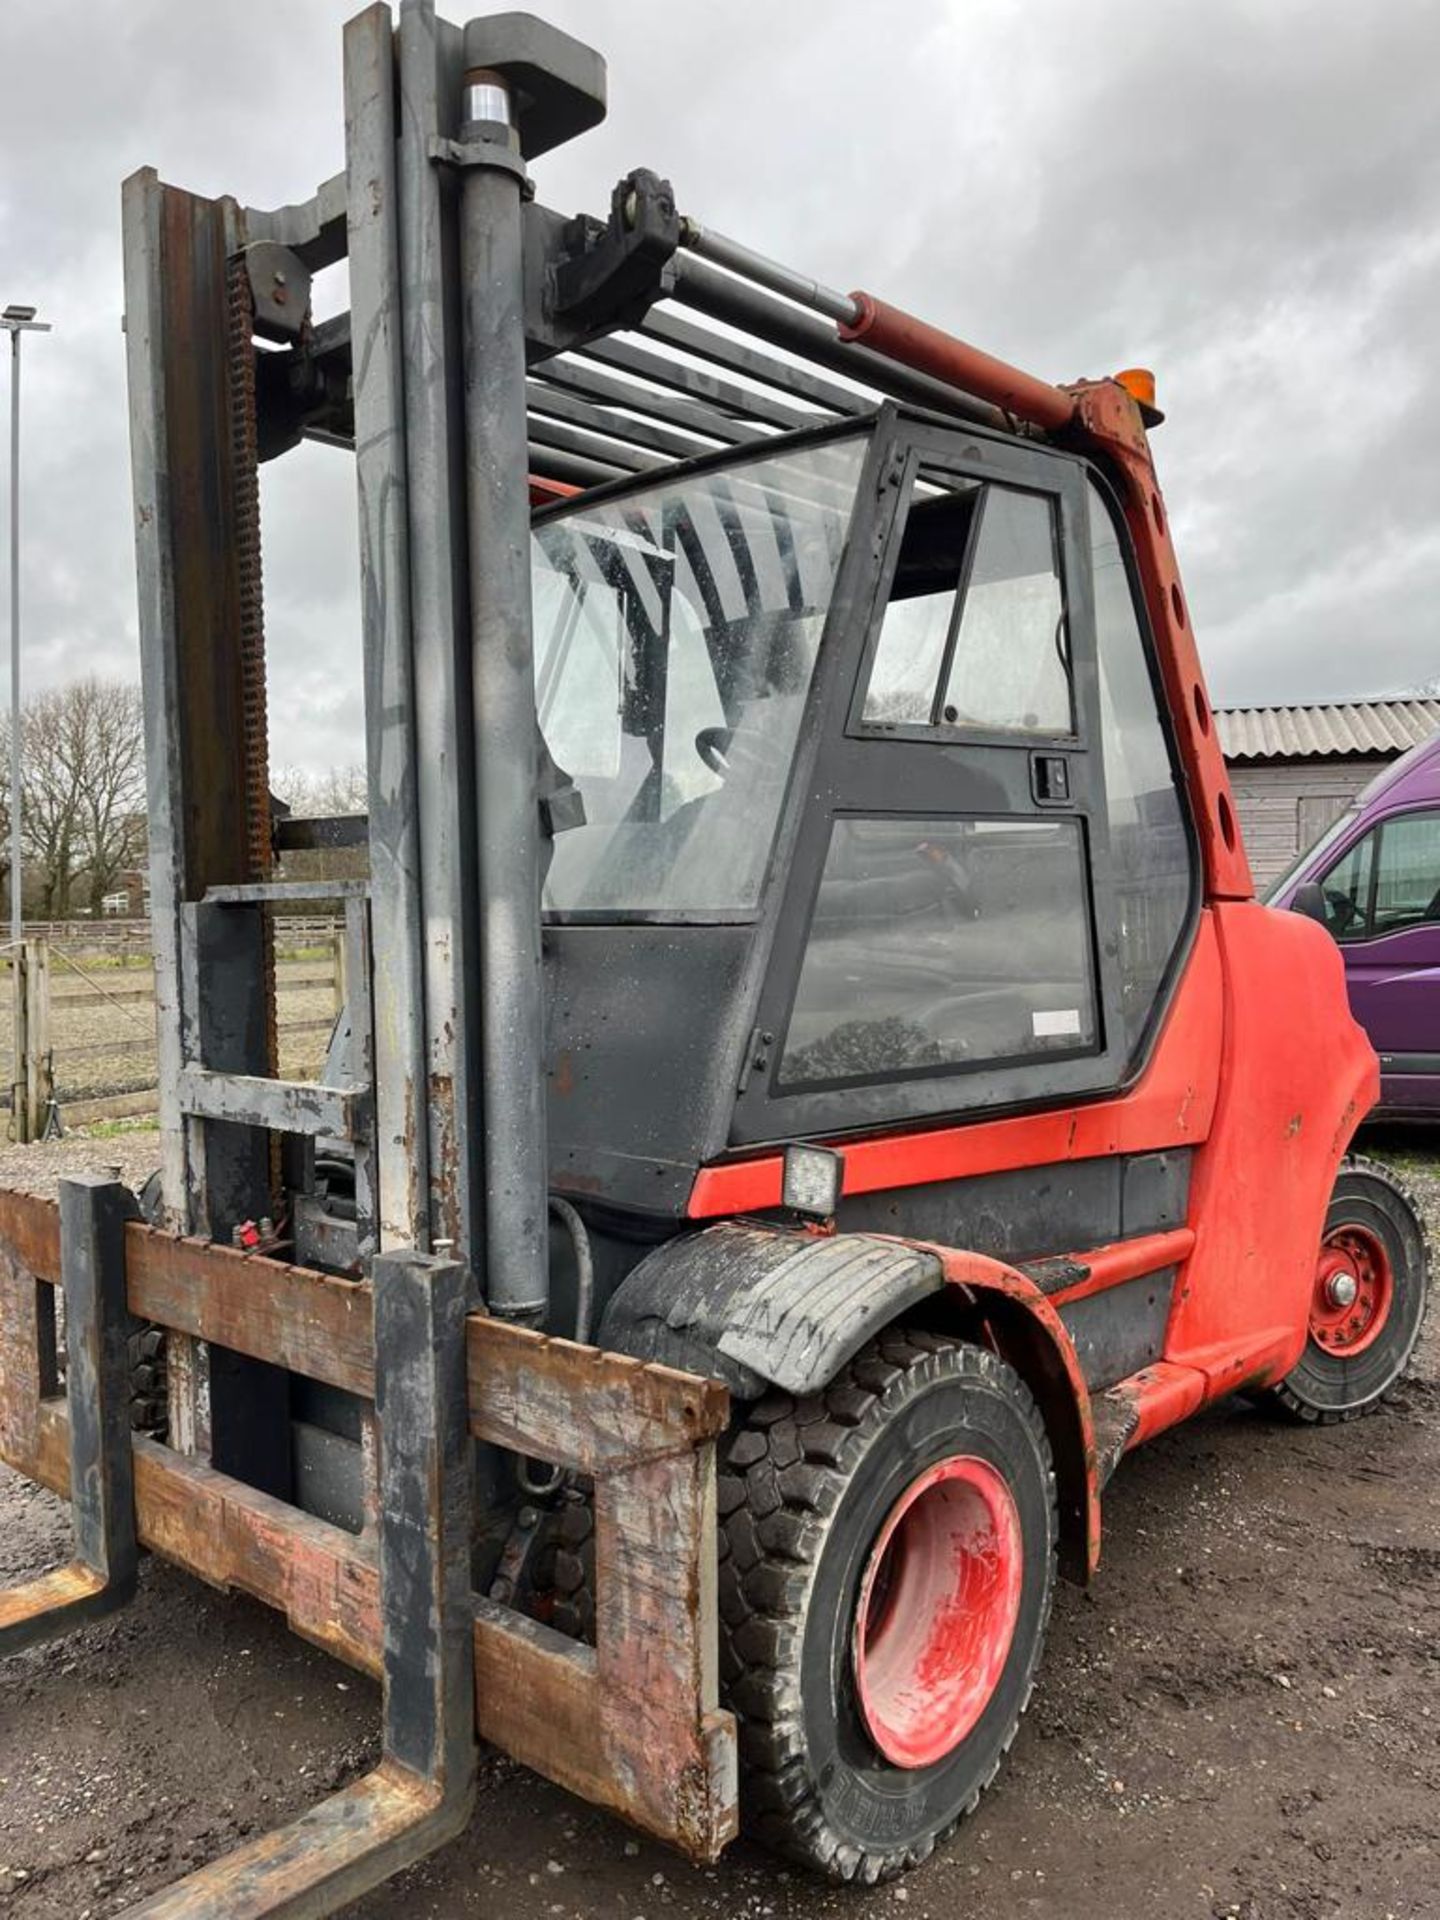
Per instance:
x=759, y=1306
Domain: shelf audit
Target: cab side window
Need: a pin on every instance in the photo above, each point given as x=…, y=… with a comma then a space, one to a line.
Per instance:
x=1150, y=850
x=974, y=632
x=943, y=943
x=1008, y=667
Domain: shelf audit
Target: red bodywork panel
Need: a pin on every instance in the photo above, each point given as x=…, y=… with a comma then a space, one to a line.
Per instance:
x=1053, y=1373
x=1297, y=1076
x=1107, y=425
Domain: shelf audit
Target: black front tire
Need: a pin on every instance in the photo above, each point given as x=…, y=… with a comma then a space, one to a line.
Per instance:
x=805, y=1487
x=1324, y=1388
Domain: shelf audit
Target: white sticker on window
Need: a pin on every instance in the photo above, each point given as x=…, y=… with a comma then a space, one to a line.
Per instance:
x=1062, y=1020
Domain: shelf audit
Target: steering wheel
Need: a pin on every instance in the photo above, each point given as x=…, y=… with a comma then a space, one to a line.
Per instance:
x=713, y=744
x=1345, y=910
x=957, y=889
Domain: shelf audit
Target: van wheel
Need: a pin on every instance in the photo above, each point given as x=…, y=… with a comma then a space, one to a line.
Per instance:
x=887, y=1562
x=1368, y=1303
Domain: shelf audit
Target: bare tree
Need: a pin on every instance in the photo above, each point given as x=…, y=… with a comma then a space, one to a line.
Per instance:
x=82, y=791
x=112, y=781
x=337, y=790
x=344, y=790
x=52, y=748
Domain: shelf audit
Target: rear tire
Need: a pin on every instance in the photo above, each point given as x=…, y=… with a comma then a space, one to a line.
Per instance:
x=876, y=1695
x=1360, y=1342
x=149, y=1386
x=149, y=1376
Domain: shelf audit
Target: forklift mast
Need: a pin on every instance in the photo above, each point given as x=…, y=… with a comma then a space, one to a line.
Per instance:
x=579, y=1087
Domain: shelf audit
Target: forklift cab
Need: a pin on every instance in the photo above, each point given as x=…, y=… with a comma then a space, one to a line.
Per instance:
x=870, y=747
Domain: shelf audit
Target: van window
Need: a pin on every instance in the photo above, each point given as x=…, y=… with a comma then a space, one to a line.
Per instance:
x=1386, y=882
x=1336, y=831
x=1407, y=883
x=1347, y=891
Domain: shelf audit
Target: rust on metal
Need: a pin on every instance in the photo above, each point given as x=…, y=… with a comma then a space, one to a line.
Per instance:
x=613, y=1723
x=250, y=610
x=30, y=1234
x=633, y=1724
x=23, y=1312
x=579, y=1406
x=309, y=1322
x=320, y=1856
x=49, y=1593
x=214, y=539
x=292, y=1316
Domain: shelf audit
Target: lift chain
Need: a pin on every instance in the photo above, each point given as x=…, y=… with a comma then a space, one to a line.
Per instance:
x=250, y=609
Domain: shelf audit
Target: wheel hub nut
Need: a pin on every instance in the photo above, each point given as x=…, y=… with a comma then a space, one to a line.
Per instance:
x=1341, y=1289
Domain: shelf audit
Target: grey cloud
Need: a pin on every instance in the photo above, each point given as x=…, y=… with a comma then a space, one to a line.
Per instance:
x=1246, y=196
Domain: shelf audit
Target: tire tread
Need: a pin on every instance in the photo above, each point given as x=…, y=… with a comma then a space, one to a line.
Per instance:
x=773, y=1528
x=1282, y=1396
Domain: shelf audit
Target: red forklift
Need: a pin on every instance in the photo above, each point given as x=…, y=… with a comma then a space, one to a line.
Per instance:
x=816, y=1087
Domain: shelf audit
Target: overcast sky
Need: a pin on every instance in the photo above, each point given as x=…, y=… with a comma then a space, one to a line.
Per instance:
x=1245, y=197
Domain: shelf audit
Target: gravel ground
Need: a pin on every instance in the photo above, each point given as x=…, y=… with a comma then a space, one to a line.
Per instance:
x=1241, y=1718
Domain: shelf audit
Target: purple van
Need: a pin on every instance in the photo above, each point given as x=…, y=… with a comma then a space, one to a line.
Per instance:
x=1373, y=879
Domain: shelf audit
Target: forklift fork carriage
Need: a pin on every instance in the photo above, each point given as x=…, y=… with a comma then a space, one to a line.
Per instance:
x=632, y=1723
x=352, y=1437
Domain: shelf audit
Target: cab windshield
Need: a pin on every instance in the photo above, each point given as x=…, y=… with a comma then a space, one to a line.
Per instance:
x=676, y=632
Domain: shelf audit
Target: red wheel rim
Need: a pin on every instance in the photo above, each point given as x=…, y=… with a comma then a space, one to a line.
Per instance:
x=1354, y=1288
x=937, y=1610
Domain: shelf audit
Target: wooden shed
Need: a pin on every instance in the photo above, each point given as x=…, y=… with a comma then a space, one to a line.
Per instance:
x=1295, y=769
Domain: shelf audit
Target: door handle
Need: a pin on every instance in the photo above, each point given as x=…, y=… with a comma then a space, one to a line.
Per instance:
x=1050, y=781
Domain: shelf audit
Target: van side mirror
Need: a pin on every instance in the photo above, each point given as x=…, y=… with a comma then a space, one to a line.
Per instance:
x=1309, y=899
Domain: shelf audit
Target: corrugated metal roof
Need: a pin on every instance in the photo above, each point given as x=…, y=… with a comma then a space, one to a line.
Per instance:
x=1319, y=733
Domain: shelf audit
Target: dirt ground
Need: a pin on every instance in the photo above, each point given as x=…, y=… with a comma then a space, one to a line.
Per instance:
x=1241, y=1718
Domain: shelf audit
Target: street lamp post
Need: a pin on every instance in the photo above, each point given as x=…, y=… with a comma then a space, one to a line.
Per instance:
x=16, y=320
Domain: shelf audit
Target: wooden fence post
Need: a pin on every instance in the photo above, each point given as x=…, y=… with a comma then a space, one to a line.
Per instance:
x=342, y=987
x=38, y=1077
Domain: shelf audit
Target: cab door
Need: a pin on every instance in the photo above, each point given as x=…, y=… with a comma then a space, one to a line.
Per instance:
x=947, y=938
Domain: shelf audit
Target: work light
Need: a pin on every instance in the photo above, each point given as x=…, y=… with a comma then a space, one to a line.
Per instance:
x=811, y=1181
